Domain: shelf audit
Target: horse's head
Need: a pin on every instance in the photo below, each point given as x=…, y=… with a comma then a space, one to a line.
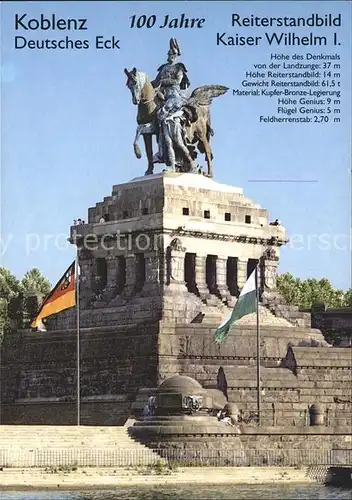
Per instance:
x=135, y=82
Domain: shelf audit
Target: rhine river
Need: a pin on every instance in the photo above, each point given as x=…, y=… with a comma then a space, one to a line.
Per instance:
x=192, y=492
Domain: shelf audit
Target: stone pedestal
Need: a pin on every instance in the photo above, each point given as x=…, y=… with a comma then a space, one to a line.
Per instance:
x=160, y=219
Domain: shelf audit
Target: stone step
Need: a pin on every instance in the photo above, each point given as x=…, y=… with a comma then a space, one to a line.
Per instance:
x=62, y=437
x=214, y=302
x=62, y=429
x=212, y=318
x=22, y=446
x=79, y=442
x=53, y=438
x=18, y=449
x=76, y=441
x=68, y=445
x=64, y=434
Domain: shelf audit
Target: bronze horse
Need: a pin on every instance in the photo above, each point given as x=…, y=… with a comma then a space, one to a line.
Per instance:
x=198, y=128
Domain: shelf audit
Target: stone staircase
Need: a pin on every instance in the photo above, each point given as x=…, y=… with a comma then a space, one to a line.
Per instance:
x=293, y=313
x=63, y=446
x=217, y=314
x=104, y=297
x=277, y=305
x=277, y=314
x=215, y=311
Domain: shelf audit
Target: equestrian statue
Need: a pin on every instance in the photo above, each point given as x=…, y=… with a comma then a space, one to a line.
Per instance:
x=180, y=123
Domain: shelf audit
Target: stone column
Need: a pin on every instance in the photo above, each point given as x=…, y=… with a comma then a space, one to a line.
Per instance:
x=118, y=279
x=111, y=271
x=201, y=281
x=130, y=275
x=268, y=269
x=177, y=267
x=120, y=273
x=85, y=275
x=221, y=277
x=175, y=294
x=86, y=260
x=241, y=273
x=152, y=273
x=110, y=291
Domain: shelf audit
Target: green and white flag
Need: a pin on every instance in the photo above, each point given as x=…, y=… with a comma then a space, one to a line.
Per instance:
x=246, y=304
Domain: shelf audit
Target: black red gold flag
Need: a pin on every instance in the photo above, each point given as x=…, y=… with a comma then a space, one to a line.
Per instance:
x=61, y=297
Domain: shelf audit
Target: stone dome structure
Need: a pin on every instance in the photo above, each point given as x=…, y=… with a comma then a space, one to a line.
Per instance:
x=180, y=383
x=218, y=398
x=181, y=419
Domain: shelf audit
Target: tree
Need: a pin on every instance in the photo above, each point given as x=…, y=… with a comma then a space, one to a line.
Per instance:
x=304, y=293
x=9, y=287
x=34, y=282
x=3, y=318
x=348, y=298
x=289, y=287
x=9, y=284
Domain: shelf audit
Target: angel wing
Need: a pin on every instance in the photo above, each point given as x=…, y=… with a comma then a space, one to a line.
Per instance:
x=203, y=96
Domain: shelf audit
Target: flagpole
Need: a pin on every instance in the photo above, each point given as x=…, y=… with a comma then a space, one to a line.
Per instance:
x=78, y=342
x=258, y=348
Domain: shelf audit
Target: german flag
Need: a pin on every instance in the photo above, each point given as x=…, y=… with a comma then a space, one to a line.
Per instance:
x=61, y=297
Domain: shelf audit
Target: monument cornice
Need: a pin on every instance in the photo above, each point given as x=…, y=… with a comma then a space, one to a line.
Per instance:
x=241, y=238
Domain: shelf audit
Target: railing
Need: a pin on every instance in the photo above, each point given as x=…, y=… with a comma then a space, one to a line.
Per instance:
x=95, y=457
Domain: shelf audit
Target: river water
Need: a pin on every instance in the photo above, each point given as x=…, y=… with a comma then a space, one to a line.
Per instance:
x=191, y=492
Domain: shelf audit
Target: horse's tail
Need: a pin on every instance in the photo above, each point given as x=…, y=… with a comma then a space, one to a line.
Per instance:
x=137, y=150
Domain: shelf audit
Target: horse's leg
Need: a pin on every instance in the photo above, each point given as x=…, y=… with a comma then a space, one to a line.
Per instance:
x=208, y=154
x=204, y=131
x=148, y=142
x=136, y=147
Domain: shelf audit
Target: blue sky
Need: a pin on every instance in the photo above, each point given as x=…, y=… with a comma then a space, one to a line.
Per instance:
x=68, y=126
